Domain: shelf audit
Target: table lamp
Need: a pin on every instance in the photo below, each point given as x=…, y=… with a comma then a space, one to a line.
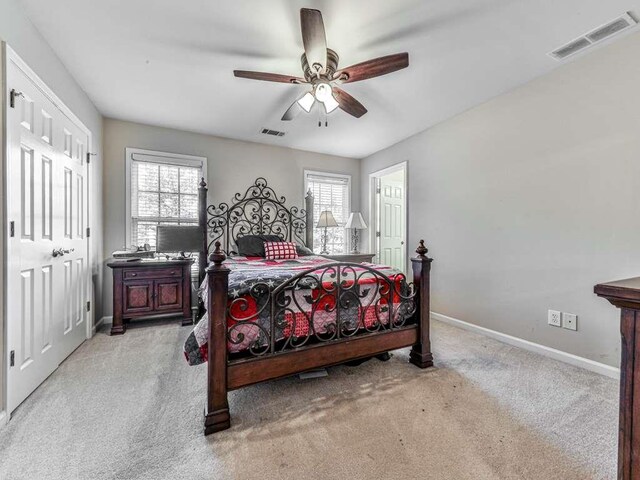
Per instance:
x=325, y=221
x=355, y=223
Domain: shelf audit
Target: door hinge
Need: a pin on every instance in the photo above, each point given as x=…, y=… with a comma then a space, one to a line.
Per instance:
x=12, y=228
x=89, y=155
x=88, y=232
x=12, y=358
x=13, y=94
x=378, y=190
x=88, y=306
x=378, y=234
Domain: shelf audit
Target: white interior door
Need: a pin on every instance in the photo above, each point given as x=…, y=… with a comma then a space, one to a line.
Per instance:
x=47, y=211
x=391, y=219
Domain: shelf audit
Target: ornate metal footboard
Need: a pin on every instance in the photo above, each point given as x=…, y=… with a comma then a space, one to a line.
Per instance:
x=320, y=317
x=319, y=305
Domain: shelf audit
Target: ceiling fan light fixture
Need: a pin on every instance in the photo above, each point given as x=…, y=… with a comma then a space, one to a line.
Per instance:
x=330, y=104
x=323, y=92
x=306, y=102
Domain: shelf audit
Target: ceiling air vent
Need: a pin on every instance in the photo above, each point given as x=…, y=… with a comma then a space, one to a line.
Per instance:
x=571, y=48
x=589, y=39
x=275, y=133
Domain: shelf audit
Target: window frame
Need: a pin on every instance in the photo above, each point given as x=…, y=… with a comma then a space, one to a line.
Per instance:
x=348, y=178
x=153, y=156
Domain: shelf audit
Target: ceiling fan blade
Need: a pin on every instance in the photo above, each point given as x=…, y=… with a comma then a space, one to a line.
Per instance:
x=292, y=112
x=268, y=77
x=313, y=37
x=348, y=103
x=373, y=68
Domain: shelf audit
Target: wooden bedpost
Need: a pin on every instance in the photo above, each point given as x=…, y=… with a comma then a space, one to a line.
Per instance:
x=216, y=415
x=308, y=207
x=202, y=223
x=421, y=352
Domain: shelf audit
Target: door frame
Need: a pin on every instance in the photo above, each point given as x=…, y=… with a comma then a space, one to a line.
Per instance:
x=11, y=57
x=374, y=208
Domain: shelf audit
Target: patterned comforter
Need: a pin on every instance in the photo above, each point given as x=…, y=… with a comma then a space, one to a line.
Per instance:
x=252, y=279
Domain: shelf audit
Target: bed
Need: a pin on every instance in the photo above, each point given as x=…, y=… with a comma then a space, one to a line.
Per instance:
x=267, y=319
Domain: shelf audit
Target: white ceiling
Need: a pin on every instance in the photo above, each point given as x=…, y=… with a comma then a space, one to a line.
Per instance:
x=170, y=62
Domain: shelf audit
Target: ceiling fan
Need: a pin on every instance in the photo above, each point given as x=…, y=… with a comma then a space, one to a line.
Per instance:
x=320, y=67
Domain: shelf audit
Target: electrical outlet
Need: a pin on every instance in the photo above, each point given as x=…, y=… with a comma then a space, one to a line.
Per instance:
x=554, y=318
x=570, y=321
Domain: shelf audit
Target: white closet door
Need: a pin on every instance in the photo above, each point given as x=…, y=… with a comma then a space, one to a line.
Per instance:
x=47, y=212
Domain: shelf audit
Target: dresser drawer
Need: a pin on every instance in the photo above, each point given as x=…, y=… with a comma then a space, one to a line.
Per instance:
x=150, y=273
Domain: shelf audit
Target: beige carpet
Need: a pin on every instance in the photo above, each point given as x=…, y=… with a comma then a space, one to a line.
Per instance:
x=130, y=408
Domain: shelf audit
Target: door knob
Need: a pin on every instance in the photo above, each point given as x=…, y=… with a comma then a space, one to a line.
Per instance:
x=59, y=252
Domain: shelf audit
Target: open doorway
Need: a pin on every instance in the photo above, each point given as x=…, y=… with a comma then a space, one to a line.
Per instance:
x=388, y=189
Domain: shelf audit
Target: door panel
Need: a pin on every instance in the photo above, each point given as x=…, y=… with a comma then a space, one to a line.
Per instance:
x=168, y=295
x=138, y=297
x=391, y=218
x=46, y=197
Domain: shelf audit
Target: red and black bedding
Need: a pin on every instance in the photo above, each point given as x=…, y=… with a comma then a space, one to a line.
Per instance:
x=310, y=304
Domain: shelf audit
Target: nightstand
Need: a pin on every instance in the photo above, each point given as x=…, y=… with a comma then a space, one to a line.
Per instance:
x=351, y=257
x=150, y=288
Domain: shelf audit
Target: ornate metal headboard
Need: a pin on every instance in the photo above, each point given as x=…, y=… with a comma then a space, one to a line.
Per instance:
x=258, y=211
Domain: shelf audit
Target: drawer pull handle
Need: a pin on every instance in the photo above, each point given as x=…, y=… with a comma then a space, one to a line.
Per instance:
x=134, y=274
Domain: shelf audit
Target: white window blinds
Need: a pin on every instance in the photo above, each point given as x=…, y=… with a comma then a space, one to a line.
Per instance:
x=330, y=192
x=162, y=193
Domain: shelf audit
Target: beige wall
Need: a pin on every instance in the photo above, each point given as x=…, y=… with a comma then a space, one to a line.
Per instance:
x=530, y=199
x=26, y=41
x=232, y=166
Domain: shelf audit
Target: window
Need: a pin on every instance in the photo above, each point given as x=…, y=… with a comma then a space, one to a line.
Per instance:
x=330, y=192
x=162, y=189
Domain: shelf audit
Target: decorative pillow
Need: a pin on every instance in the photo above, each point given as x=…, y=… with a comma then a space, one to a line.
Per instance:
x=303, y=251
x=280, y=250
x=253, y=245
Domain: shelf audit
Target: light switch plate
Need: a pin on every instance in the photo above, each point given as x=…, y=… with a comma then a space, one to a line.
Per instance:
x=570, y=321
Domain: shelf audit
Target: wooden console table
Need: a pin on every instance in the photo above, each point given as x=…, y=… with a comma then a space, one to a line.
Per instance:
x=150, y=288
x=351, y=257
x=625, y=294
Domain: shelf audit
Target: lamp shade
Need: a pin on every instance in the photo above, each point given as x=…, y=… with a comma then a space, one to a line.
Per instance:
x=356, y=221
x=326, y=220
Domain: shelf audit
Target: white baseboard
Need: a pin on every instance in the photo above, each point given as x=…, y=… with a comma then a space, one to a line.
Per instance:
x=569, y=358
x=100, y=322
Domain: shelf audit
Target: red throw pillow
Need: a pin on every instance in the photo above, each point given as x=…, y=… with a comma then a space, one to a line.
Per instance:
x=280, y=250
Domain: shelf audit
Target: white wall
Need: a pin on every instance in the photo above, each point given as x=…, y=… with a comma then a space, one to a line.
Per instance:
x=26, y=41
x=232, y=166
x=530, y=199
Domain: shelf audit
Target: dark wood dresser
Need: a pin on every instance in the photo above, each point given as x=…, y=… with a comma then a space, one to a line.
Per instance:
x=150, y=288
x=625, y=294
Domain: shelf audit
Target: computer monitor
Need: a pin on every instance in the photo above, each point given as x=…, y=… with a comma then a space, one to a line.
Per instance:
x=172, y=239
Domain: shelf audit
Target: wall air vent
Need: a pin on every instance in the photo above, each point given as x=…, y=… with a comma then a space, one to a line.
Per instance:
x=275, y=133
x=595, y=36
